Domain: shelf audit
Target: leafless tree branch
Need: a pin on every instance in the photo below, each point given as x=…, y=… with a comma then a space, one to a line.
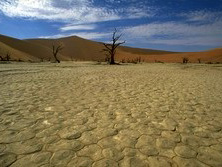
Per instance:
x=56, y=48
x=111, y=48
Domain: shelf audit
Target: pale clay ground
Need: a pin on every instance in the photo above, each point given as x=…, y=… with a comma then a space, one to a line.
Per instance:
x=82, y=114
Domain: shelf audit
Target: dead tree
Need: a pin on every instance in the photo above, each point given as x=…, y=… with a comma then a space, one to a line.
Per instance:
x=111, y=48
x=56, y=48
x=8, y=56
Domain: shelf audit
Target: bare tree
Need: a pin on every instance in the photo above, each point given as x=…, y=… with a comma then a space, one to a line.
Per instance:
x=56, y=48
x=8, y=56
x=111, y=48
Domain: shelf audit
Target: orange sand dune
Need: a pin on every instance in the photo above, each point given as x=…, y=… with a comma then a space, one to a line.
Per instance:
x=76, y=48
x=206, y=56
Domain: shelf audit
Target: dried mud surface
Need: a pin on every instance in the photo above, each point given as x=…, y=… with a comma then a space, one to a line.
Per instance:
x=82, y=115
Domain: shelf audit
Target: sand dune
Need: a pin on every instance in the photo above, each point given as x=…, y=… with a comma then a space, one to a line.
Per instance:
x=32, y=51
x=205, y=56
x=76, y=48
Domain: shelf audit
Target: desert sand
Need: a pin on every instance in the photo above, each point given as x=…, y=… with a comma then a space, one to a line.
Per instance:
x=83, y=114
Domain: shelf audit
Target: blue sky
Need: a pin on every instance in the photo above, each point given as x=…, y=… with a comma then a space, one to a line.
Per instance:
x=176, y=25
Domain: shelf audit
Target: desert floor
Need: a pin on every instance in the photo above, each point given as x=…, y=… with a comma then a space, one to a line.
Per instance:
x=83, y=114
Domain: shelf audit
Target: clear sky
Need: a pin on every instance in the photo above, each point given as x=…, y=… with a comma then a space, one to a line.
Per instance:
x=176, y=25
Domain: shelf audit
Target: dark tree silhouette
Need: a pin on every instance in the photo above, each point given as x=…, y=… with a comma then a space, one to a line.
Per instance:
x=1, y=58
x=56, y=48
x=8, y=56
x=111, y=48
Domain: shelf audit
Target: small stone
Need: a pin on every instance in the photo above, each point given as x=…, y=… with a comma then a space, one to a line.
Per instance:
x=48, y=108
x=46, y=122
x=7, y=159
x=185, y=151
x=80, y=162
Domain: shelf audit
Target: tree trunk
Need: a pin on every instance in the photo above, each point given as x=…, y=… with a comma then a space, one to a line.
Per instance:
x=112, y=61
x=57, y=60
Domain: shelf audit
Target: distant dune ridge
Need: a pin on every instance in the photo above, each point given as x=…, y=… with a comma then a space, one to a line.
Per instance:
x=79, y=49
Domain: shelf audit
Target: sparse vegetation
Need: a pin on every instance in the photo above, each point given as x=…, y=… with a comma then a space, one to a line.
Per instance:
x=56, y=48
x=199, y=60
x=185, y=60
x=123, y=61
x=111, y=48
x=136, y=60
x=157, y=61
x=6, y=58
x=1, y=58
x=107, y=59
